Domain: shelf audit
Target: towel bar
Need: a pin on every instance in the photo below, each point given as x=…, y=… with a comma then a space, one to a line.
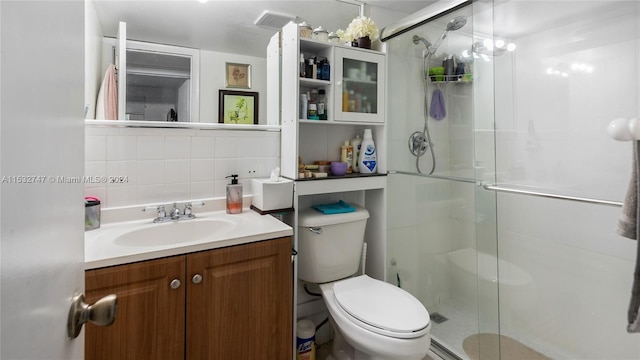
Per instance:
x=552, y=196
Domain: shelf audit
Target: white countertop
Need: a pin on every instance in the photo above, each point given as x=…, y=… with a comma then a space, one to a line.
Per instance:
x=102, y=250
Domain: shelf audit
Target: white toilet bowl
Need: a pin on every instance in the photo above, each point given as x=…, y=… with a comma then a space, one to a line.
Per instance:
x=392, y=325
x=371, y=319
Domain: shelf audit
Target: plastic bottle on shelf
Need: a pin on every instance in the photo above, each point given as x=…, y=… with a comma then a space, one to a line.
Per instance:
x=355, y=145
x=322, y=105
x=368, y=163
x=346, y=155
x=326, y=70
x=345, y=100
x=304, y=102
x=352, y=101
x=312, y=111
x=303, y=66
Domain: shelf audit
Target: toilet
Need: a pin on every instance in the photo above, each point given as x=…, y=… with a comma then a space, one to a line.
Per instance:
x=371, y=319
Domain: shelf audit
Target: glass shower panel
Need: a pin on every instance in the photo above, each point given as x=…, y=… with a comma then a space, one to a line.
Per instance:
x=441, y=223
x=564, y=275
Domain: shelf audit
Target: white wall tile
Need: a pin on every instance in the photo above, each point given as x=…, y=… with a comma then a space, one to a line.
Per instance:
x=121, y=148
x=177, y=192
x=220, y=188
x=203, y=189
x=225, y=167
x=177, y=147
x=163, y=165
x=248, y=168
x=226, y=147
x=267, y=165
x=128, y=169
x=151, y=194
x=95, y=148
x=95, y=169
x=251, y=147
x=202, y=147
x=151, y=172
x=177, y=171
x=122, y=196
x=202, y=170
x=151, y=147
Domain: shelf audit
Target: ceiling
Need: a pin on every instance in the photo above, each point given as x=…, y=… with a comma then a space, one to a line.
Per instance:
x=228, y=26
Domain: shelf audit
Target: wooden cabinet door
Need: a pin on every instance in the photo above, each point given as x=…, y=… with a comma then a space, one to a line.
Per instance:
x=242, y=308
x=150, y=317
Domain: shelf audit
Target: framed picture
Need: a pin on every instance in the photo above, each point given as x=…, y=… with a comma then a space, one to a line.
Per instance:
x=238, y=107
x=238, y=76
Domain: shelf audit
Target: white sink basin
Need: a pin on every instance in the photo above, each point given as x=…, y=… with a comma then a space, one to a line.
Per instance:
x=125, y=242
x=177, y=232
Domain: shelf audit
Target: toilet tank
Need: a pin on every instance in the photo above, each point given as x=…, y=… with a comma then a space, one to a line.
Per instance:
x=330, y=246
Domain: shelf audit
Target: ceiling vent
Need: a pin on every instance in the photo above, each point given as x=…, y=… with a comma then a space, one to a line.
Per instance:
x=273, y=20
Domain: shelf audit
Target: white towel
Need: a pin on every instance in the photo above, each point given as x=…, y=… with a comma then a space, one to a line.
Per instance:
x=628, y=226
x=107, y=102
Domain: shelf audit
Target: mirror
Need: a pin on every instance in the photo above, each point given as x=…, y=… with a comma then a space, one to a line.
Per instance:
x=223, y=32
x=217, y=32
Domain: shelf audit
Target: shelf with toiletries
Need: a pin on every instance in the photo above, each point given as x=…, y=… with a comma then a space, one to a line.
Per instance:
x=360, y=84
x=337, y=92
x=354, y=103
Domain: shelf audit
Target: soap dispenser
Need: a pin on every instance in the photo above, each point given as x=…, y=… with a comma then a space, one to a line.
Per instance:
x=234, y=195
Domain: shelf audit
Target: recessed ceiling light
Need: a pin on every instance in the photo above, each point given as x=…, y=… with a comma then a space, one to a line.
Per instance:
x=269, y=19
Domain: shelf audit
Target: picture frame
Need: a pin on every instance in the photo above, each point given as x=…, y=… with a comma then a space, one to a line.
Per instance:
x=238, y=76
x=238, y=107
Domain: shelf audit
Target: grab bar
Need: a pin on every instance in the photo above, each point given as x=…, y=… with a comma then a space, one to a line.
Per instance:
x=552, y=196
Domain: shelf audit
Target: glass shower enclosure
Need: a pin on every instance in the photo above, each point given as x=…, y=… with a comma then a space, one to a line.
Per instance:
x=510, y=240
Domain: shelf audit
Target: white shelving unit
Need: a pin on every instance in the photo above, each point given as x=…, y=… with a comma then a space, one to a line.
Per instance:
x=361, y=73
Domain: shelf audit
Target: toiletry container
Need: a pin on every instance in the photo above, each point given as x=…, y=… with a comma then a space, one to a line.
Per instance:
x=304, y=103
x=346, y=155
x=305, y=340
x=367, y=163
x=91, y=213
x=355, y=146
x=322, y=105
x=234, y=195
x=303, y=66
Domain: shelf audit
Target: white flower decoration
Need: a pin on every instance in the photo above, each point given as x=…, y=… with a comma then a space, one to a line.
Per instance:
x=359, y=27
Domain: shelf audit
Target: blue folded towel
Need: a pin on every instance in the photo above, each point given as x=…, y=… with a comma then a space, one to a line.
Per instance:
x=337, y=208
x=438, y=110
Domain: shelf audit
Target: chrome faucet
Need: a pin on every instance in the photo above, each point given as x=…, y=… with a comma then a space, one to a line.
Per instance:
x=175, y=214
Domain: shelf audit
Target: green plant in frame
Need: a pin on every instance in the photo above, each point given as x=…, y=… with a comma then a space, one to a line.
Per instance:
x=238, y=107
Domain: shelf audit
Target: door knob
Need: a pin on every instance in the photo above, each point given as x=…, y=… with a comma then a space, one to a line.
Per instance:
x=101, y=313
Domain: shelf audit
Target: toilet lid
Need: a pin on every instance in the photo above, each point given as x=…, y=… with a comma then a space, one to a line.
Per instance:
x=382, y=307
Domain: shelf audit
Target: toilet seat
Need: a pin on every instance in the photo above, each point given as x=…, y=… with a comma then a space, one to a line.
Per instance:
x=381, y=307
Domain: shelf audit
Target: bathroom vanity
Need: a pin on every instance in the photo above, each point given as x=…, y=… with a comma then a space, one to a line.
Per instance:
x=232, y=301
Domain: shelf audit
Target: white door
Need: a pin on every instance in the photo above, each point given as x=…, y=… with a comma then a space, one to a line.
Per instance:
x=41, y=143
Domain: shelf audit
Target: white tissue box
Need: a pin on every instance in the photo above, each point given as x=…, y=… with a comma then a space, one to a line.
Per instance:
x=272, y=195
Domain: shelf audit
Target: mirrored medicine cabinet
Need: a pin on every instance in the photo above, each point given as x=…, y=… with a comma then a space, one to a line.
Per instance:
x=156, y=82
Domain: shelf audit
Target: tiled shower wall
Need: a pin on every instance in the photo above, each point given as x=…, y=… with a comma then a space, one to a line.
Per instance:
x=155, y=165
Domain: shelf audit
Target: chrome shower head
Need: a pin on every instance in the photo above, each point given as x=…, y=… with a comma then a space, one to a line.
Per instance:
x=454, y=24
